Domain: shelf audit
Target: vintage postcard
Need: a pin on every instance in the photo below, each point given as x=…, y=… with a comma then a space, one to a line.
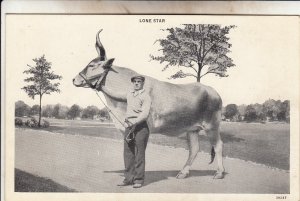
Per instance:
x=153, y=106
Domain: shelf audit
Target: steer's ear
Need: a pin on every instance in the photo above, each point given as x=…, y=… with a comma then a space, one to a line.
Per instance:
x=108, y=63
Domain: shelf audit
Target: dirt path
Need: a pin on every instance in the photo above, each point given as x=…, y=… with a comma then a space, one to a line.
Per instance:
x=89, y=164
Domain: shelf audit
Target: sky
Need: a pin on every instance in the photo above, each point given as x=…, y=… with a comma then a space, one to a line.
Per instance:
x=264, y=49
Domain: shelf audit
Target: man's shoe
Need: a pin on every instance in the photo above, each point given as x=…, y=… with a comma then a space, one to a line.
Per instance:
x=124, y=184
x=137, y=185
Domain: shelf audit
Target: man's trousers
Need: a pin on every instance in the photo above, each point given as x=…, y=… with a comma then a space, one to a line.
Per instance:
x=134, y=154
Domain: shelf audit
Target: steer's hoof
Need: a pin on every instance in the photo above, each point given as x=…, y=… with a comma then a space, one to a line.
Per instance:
x=182, y=175
x=219, y=175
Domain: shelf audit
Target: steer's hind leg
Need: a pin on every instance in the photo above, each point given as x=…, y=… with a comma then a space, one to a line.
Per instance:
x=193, y=142
x=219, y=155
x=213, y=132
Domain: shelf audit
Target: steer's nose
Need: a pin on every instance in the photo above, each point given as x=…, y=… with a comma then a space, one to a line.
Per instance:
x=73, y=80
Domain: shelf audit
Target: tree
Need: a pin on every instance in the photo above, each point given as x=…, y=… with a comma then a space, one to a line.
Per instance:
x=40, y=81
x=21, y=109
x=271, y=108
x=55, y=112
x=63, y=112
x=284, y=111
x=47, y=111
x=259, y=111
x=250, y=113
x=35, y=109
x=230, y=111
x=203, y=45
x=60, y=111
x=242, y=109
x=287, y=113
x=90, y=112
x=104, y=113
x=74, y=111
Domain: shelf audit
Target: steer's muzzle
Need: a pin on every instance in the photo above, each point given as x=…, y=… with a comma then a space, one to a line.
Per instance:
x=78, y=81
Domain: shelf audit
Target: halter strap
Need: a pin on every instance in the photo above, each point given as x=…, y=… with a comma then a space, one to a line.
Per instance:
x=99, y=82
x=95, y=87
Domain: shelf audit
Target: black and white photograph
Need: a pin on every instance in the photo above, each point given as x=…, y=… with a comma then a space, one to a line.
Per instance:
x=152, y=106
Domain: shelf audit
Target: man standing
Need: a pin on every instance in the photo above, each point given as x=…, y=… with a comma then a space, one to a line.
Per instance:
x=136, y=132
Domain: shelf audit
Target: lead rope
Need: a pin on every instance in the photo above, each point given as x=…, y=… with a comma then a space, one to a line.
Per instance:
x=109, y=110
x=127, y=137
x=94, y=87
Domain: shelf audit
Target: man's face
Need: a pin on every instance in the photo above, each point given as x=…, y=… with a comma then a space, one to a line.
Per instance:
x=137, y=84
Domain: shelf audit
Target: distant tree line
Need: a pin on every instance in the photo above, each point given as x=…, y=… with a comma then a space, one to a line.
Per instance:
x=59, y=111
x=270, y=110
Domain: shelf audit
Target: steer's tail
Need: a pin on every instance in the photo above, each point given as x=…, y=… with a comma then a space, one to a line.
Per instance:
x=212, y=154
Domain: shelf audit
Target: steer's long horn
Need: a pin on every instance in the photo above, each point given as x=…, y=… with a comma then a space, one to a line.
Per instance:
x=99, y=47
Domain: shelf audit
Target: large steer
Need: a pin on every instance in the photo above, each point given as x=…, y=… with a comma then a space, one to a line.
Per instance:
x=175, y=108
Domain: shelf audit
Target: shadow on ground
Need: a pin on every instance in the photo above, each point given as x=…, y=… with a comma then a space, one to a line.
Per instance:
x=25, y=182
x=156, y=176
x=54, y=128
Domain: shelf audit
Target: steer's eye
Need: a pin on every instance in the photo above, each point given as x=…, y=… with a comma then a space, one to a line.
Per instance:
x=92, y=67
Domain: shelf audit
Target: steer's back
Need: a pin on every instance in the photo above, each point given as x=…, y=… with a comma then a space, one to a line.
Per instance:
x=175, y=108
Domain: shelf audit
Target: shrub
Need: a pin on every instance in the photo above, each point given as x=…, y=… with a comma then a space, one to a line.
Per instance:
x=45, y=124
x=18, y=122
x=32, y=123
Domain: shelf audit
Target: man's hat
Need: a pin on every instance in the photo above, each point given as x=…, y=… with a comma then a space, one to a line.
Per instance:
x=138, y=77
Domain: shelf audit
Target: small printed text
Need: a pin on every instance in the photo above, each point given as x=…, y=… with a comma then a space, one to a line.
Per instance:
x=153, y=20
x=281, y=197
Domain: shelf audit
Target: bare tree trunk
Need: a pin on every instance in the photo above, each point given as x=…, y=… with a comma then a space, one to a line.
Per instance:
x=199, y=72
x=40, y=112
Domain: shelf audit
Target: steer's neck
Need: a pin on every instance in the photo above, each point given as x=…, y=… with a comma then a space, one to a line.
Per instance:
x=118, y=79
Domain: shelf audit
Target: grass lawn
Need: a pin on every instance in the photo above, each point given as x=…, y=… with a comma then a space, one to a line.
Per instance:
x=267, y=144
